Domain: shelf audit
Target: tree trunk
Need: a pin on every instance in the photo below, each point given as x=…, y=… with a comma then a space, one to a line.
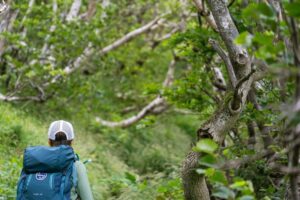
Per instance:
x=225, y=117
x=197, y=188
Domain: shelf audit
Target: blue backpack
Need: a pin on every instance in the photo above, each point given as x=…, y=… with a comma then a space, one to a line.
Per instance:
x=48, y=173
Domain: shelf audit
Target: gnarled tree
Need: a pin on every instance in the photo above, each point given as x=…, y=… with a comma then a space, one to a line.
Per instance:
x=224, y=118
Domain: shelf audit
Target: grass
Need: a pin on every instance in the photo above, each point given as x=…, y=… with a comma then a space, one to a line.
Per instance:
x=142, y=162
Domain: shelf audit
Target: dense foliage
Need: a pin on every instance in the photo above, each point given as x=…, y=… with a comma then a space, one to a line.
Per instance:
x=96, y=63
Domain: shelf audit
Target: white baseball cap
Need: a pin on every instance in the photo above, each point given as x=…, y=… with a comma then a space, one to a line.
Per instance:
x=61, y=126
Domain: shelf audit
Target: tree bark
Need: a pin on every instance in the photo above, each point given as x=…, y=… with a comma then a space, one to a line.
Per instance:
x=74, y=10
x=197, y=188
x=295, y=154
x=6, y=22
x=225, y=116
x=207, y=15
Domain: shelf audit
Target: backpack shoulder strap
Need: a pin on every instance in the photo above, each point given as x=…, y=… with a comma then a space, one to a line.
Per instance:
x=21, y=184
x=74, y=175
x=76, y=157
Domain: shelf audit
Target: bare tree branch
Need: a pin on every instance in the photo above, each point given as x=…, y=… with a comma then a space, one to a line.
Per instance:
x=129, y=36
x=7, y=19
x=10, y=97
x=19, y=98
x=276, y=5
x=170, y=74
x=226, y=60
x=92, y=6
x=207, y=15
x=52, y=29
x=3, y=7
x=30, y=5
x=127, y=122
x=74, y=10
x=219, y=81
x=175, y=27
x=89, y=50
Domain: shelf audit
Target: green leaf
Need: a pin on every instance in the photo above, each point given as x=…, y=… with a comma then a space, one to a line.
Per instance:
x=174, y=183
x=265, y=38
x=293, y=9
x=265, y=9
x=256, y=11
x=219, y=177
x=130, y=177
x=208, y=161
x=223, y=193
x=207, y=146
x=201, y=171
x=238, y=184
x=216, y=176
x=247, y=197
x=244, y=38
x=162, y=189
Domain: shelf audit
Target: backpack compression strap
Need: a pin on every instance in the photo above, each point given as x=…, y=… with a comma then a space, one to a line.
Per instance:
x=62, y=186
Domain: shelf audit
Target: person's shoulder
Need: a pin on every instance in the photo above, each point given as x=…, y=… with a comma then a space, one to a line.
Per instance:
x=78, y=163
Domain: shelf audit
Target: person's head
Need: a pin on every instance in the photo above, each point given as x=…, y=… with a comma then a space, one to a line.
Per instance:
x=60, y=133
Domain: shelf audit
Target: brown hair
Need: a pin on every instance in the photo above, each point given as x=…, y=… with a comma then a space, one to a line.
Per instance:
x=60, y=139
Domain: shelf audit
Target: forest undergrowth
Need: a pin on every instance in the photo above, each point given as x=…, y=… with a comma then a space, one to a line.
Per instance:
x=126, y=164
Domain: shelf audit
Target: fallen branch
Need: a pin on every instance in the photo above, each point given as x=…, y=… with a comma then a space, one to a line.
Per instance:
x=20, y=98
x=127, y=122
x=40, y=97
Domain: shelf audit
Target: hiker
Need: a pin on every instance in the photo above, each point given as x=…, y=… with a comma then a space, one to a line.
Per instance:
x=55, y=172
